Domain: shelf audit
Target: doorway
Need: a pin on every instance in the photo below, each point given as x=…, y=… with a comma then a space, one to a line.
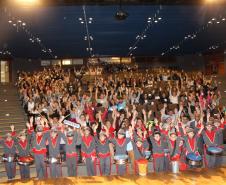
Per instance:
x=4, y=71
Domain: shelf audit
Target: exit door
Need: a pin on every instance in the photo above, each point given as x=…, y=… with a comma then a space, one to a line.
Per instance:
x=4, y=71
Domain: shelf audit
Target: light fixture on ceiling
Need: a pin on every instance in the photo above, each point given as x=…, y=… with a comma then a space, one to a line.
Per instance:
x=121, y=15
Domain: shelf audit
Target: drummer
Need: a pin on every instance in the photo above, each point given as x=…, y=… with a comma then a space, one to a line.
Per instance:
x=191, y=141
x=140, y=146
x=54, y=152
x=72, y=139
x=23, y=150
x=103, y=152
x=160, y=156
x=38, y=143
x=121, y=143
x=174, y=144
x=9, y=149
x=212, y=138
x=88, y=147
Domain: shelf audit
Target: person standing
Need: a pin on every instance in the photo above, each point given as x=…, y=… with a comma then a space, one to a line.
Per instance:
x=88, y=148
x=9, y=153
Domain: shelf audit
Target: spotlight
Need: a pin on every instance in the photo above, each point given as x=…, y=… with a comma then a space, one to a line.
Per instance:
x=121, y=15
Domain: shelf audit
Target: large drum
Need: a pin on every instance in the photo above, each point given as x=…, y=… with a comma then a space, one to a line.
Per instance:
x=8, y=158
x=121, y=159
x=214, y=150
x=142, y=167
x=53, y=160
x=194, y=160
x=26, y=160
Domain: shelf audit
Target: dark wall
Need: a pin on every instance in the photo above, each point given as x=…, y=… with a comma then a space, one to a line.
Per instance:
x=27, y=65
x=187, y=63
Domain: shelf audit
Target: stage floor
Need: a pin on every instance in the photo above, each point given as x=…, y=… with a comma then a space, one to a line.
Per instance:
x=192, y=177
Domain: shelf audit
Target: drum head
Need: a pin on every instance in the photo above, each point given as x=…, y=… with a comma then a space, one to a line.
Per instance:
x=194, y=157
x=215, y=150
x=121, y=157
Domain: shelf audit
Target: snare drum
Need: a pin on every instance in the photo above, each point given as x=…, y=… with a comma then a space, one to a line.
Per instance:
x=194, y=160
x=25, y=160
x=214, y=150
x=53, y=160
x=121, y=159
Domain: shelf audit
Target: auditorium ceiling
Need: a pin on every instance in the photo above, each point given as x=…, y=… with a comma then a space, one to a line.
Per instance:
x=93, y=30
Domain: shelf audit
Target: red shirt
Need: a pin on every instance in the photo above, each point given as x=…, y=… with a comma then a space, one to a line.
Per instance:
x=210, y=135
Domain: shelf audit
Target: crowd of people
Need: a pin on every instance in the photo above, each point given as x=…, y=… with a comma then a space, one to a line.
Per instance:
x=158, y=114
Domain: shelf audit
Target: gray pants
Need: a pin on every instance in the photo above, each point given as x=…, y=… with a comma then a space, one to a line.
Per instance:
x=10, y=169
x=71, y=166
x=159, y=164
x=211, y=161
x=91, y=167
x=40, y=166
x=121, y=169
x=55, y=170
x=105, y=166
x=24, y=172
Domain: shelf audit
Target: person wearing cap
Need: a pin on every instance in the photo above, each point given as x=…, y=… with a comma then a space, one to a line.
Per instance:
x=9, y=151
x=38, y=143
x=88, y=150
x=54, y=139
x=103, y=151
x=212, y=138
x=159, y=148
x=140, y=146
x=23, y=150
x=191, y=140
x=174, y=144
x=72, y=139
x=121, y=143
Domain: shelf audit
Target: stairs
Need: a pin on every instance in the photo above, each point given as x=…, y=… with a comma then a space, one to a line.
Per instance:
x=11, y=112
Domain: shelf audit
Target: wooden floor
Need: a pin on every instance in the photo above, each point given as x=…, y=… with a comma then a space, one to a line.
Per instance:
x=195, y=177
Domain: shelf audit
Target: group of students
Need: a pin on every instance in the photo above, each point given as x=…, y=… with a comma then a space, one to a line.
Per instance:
x=99, y=145
x=159, y=114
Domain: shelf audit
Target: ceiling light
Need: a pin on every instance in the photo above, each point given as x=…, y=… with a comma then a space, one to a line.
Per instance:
x=148, y=21
x=6, y=100
x=7, y=114
x=149, y=18
x=55, y=56
x=14, y=24
x=80, y=19
x=91, y=18
x=23, y=24
x=223, y=19
x=156, y=21
x=213, y=19
x=121, y=15
x=10, y=21
x=82, y=22
x=90, y=22
x=218, y=22
x=210, y=22
x=19, y=21
x=160, y=18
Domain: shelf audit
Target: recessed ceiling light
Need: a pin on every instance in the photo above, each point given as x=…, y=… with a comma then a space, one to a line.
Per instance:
x=218, y=22
x=19, y=21
x=23, y=24
x=223, y=19
x=160, y=18
x=10, y=21
x=14, y=24
x=213, y=19
x=5, y=100
x=7, y=114
x=156, y=21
